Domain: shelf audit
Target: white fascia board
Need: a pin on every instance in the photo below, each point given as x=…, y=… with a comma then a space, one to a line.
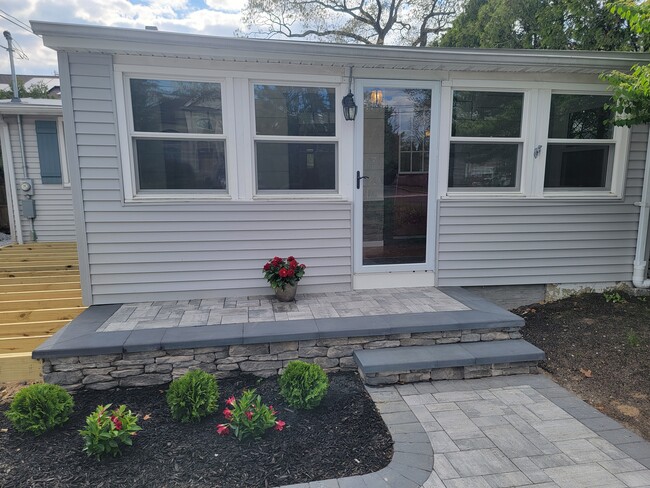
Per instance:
x=17, y=108
x=112, y=40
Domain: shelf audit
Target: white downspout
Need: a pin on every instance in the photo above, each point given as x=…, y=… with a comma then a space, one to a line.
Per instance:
x=7, y=157
x=639, y=276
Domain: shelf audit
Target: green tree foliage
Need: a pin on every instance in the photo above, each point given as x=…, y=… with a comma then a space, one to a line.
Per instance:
x=631, y=91
x=37, y=90
x=407, y=22
x=541, y=24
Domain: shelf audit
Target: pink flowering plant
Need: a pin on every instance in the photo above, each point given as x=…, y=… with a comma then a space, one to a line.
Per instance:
x=106, y=430
x=248, y=417
x=281, y=272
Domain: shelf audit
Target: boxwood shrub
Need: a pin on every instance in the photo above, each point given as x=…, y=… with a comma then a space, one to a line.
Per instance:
x=303, y=385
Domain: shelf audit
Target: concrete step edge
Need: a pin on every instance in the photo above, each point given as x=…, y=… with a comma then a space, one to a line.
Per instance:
x=446, y=356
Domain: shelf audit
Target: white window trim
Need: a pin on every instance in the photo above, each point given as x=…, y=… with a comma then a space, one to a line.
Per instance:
x=127, y=134
x=236, y=86
x=63, y=158
x=446, y=139
x=334, y=194
x=535, y=121
x=620, y=140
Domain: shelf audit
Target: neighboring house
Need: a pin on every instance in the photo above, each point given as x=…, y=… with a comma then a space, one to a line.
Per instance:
x=37, y=192
x=29, y=81
x=194, y=159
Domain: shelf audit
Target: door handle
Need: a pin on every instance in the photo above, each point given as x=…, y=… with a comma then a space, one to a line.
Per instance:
x=359, y=178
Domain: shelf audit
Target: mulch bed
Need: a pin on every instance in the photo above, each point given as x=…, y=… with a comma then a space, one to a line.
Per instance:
x=599, y=350
x=344, y=436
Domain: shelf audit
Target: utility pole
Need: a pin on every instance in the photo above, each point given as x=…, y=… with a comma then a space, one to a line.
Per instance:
x=14, y=80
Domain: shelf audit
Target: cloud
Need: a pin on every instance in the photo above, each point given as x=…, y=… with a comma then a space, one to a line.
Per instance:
x=214, y=17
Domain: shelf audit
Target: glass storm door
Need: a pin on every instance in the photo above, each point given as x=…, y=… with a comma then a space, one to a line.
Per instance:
x=394, y=175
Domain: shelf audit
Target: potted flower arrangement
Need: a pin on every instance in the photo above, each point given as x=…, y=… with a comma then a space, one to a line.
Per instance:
x=283, y=276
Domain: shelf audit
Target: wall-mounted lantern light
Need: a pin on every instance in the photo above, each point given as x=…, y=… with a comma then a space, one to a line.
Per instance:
x=349, y=107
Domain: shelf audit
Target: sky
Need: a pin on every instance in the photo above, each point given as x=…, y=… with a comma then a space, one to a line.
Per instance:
x=214, y=17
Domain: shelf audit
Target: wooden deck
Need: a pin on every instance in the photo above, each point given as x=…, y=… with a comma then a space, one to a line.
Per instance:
x=39, y=294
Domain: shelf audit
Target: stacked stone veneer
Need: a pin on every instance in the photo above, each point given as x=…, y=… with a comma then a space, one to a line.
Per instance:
x=456, y=373
x=133, y=369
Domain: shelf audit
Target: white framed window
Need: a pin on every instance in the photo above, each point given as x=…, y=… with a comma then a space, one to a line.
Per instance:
x=581, y=144
x=295, y=138
x=528, y=139
x=178, y=134
x=486, y=141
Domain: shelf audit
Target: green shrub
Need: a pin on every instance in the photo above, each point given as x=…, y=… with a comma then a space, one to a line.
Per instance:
x=193, y=396
x=303, y=385
x=107, y=429
x=39, y=408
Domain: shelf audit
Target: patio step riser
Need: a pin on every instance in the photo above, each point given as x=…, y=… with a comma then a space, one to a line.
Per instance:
x=448, y=362
x=455, y=373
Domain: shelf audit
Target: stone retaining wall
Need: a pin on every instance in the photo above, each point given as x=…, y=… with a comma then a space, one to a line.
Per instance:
x=103, y=372
x=457, y=373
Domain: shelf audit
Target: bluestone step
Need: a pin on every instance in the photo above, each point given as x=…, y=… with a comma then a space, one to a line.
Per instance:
x=446, y=356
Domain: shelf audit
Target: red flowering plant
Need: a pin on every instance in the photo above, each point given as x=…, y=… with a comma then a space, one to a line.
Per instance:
x=107, y=429
x=281, y=272
x=248, y=417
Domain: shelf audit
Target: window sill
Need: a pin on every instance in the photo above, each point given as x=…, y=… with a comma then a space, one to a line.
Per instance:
x=289, y=196
x=580, y=195
x=482, y=194
x=559, y=196
x=176, y=198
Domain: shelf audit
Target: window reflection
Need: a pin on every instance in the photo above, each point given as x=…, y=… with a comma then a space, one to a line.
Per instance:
x=176, y=106
x=396, y=162
x=294, y=111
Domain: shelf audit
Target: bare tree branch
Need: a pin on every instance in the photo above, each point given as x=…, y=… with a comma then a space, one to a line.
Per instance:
x=411, y=22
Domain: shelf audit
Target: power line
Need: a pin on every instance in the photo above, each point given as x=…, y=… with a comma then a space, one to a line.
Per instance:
x=16, y=24
x=22, y=24
x=18, y=49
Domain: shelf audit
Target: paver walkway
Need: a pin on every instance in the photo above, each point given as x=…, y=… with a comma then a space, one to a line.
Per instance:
x=215, y=311
x=512, y=431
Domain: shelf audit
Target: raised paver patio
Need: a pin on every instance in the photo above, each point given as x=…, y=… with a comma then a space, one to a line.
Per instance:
x=511, y=431
x=252, y=309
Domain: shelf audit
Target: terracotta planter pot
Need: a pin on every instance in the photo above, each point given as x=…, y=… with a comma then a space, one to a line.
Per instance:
x=288, y=294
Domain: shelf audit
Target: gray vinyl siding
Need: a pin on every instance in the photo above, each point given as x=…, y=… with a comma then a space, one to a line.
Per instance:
x=54, y=220
x=512, y=242
x=175, y=251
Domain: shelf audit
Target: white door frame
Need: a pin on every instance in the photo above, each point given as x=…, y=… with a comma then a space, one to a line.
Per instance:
x=372, y=277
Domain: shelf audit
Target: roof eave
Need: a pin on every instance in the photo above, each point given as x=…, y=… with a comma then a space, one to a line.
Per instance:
x=110, y=40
